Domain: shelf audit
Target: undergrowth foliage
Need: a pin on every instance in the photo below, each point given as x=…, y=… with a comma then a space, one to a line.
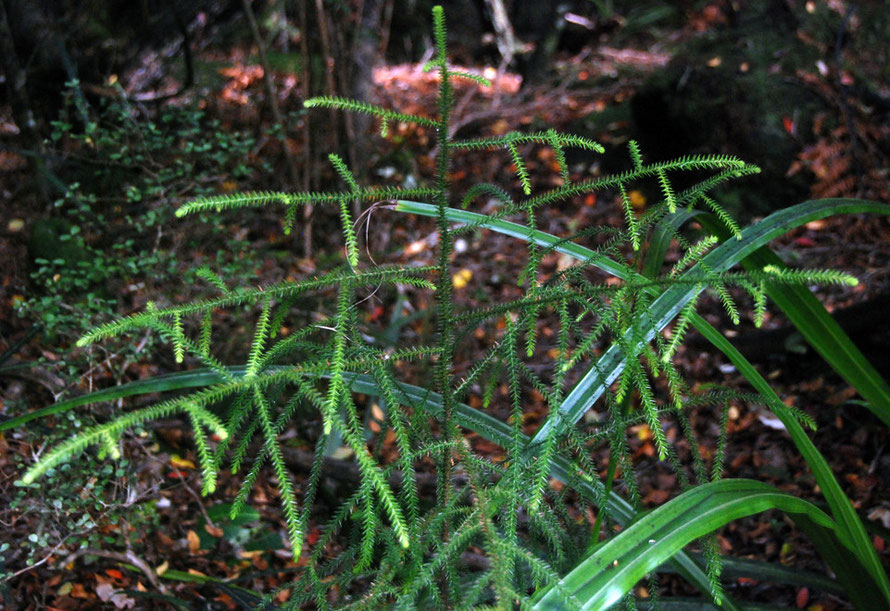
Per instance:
x=387, y=543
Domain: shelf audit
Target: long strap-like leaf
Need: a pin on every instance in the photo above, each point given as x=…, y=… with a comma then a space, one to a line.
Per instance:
x=592, y=384
x=605, y=576
x=421, y=398
x=850, y=527
x=817, y=326
x=665, y=308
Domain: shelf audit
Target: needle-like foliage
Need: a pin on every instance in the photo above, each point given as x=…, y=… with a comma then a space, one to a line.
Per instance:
x=583, y=361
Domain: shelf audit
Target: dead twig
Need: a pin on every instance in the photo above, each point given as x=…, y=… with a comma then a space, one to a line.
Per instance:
x=128, y=557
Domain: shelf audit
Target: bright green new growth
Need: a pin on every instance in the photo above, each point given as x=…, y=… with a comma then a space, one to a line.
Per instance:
x=345, y=217
x=615, y=340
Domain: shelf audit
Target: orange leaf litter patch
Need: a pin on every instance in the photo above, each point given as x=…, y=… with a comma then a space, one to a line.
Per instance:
x=412, y=76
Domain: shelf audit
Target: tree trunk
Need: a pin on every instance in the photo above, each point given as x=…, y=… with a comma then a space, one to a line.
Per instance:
x=365, y=57
x=20, y=103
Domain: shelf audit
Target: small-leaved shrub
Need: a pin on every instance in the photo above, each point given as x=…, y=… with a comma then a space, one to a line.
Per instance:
x=122, y=170
x=507, y=527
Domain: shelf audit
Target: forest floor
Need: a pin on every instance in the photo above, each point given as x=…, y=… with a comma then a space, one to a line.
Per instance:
x=149, y=517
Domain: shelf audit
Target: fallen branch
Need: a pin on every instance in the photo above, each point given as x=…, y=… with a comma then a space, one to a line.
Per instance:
x=128, y=557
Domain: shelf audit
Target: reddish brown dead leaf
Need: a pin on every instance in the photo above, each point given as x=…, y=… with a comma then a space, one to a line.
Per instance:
x=78, y=591
x=194, y=541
